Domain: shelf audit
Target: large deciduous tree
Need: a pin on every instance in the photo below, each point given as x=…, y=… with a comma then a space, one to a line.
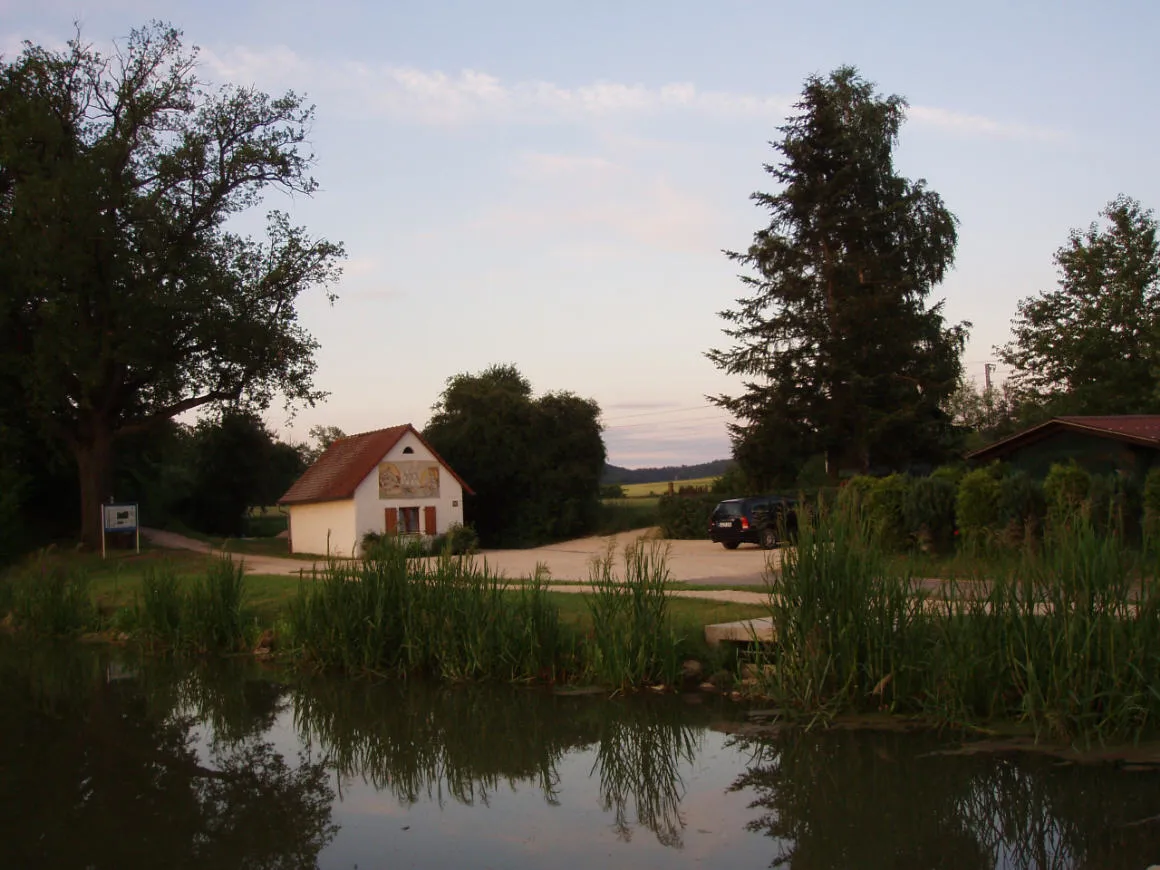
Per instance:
x=839, y=350
x=534, y=463
x=125, y=299
x=1092, y=346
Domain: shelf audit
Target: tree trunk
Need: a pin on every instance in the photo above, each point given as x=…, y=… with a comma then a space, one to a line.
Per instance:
x=94, y=457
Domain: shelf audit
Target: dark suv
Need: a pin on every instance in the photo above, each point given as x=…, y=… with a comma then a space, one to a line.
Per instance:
x=762, y=519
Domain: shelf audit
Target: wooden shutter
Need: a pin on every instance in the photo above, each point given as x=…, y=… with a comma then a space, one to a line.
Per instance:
x=391, y=522
x=429, y=519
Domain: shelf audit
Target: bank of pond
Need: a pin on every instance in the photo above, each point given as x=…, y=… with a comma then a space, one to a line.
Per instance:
x=1062, y=642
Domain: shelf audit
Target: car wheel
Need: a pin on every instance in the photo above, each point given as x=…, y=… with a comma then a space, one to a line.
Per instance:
x=730, y=545
x=768, y=539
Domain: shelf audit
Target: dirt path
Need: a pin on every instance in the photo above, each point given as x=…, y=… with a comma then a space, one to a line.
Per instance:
x=699, y=562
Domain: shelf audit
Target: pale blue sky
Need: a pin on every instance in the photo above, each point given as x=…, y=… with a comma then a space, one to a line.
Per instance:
x=551, y=184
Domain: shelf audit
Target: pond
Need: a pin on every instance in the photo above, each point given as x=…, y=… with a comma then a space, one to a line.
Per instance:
x=107, y=761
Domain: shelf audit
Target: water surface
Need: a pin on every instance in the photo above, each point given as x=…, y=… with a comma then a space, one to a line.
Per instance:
x=109, y=762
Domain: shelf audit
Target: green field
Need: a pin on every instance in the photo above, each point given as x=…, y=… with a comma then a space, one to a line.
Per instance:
x=645, y=490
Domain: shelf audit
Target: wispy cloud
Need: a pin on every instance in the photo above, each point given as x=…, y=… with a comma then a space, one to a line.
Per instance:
x=436, y=97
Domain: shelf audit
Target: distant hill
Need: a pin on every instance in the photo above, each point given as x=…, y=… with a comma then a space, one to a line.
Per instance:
x=616, y=474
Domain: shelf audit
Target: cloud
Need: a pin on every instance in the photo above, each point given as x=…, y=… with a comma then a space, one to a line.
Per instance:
x=980, y=126
x=435, y=97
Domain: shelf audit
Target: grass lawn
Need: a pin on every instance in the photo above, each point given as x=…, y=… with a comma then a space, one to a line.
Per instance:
x=116, y=581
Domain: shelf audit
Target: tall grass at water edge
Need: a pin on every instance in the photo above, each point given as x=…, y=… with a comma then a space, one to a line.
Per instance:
x=1066, y=639
x=48, y=598
x=632, y=642
x=451, y=618
x=202, y=614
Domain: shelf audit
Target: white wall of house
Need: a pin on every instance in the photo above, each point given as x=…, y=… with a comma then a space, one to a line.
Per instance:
x=314, y=527
x=370, y=510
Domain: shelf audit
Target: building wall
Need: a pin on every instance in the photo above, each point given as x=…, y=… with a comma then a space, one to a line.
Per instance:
x=1097, y=455
x=370, y=509
x=325, y=527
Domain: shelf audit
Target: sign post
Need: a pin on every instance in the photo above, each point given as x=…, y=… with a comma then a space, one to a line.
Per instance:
x=119, y=519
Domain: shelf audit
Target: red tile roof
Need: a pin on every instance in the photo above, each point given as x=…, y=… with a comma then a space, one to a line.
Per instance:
x=347, y=462
x=1142, y=429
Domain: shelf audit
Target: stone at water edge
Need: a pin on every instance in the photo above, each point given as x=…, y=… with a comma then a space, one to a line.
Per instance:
x=691, y=671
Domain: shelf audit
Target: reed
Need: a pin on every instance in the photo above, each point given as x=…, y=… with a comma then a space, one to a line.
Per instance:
x=1066, y=639
x=845, y=619
x=451, y=618
x=632, y=642
x=51, y=598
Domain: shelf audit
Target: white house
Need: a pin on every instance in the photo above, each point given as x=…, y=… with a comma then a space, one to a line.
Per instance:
x=388, y=481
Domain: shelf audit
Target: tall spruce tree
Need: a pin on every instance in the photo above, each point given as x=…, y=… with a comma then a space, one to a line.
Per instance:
x=840, y=352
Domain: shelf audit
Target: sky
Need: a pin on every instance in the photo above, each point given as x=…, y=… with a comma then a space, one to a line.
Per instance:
x=552, y=184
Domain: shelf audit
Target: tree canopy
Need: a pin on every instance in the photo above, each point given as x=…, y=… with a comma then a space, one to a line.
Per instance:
x=1092, y=346
x=125, y=297
x=838, y=350
x=534, y=463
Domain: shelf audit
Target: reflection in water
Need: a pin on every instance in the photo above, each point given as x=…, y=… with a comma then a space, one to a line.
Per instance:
x=828, y=798
x=113, y=763
x=109, y=776
x=419, y=741
x=638, y=763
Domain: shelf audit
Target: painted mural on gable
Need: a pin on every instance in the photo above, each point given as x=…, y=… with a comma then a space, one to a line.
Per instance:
x=411, y=479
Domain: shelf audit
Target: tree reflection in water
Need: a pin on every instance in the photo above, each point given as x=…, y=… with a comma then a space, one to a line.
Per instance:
x=419, y=741
x=856, y=799
x=95, y=772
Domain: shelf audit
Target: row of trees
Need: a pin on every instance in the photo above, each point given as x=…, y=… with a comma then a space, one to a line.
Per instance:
x=844, y=357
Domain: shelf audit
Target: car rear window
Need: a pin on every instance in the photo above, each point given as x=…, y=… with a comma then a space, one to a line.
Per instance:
x=727, y=509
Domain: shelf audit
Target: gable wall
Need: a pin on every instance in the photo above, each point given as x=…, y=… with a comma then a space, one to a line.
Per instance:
x=370, y=509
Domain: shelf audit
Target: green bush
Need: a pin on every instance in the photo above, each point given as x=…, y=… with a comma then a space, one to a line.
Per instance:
x=977, y=501
x=885, y=505
x=1115, y=505
x=1066, y=489
x=611, y=490
x=929, y=512
x=1021, y=505
x=458, y=540
x=855, y=492
x=952, y=473
x=1151, y=500
x=685, y=517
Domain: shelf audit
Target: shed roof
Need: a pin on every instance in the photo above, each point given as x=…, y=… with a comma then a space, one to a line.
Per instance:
x=345, y=464
x=1141, y=429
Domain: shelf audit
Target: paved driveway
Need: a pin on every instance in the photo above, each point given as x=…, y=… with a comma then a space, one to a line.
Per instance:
x=699, y=562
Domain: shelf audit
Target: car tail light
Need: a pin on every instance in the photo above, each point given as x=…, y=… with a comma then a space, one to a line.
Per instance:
x=744, y=523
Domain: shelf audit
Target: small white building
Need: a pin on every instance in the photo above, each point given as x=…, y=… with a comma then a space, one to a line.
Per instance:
x=389, y=481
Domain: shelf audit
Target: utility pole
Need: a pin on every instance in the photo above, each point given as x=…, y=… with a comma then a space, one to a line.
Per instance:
x=987, y=369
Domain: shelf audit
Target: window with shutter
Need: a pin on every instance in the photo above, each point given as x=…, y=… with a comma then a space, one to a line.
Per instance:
x=429, y=520
x=391, y=523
